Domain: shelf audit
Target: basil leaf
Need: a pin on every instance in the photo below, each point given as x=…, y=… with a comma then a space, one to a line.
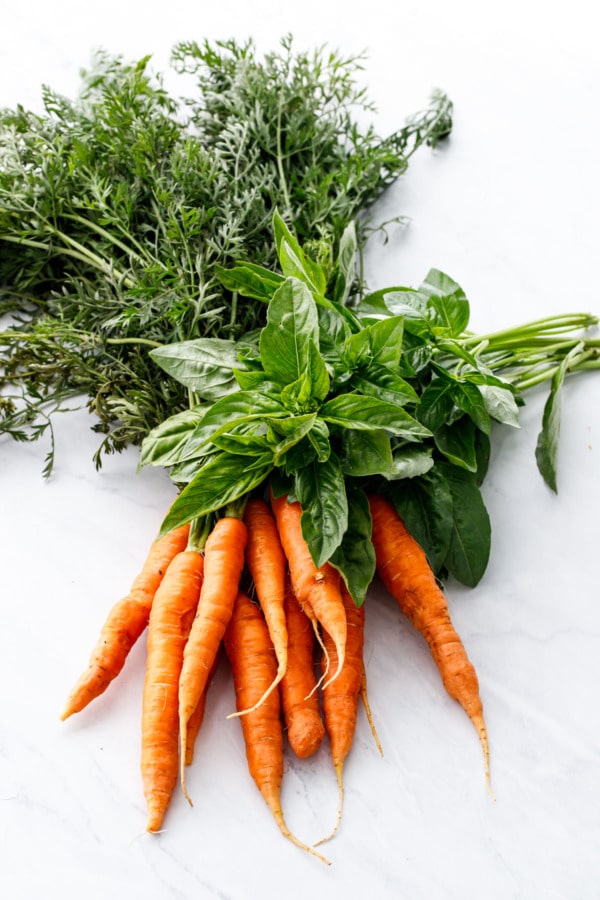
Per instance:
x=380, y=342
x=366, y=453
x=447, y=306
x=468, y=397
x=292, y=324
x=355, y=556
x=292, y=431
x=368, y=413
x=380, y=381
x=319, y=438
x=470, y=540
x=333, y=332
x=225, y=478
x=165, y=444
x=437, y=402
x=230, y=411
x=425, y=505
x=546, y=451
x=457, y=443
x=321, y=491
x=501, y=404
x=409, y=462
x=345, y=271
x=250, y=280
x=293, y=261
x=204, y=365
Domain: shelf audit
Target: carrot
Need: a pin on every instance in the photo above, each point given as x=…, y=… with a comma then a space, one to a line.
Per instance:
x=125, y=623
x=267, y=565
x=318, y=589
x=340, y=698
x=196, y=719
x=405, y=571
x=170, y=621
x=254, y=666
x=300, y=703
x=223, y=564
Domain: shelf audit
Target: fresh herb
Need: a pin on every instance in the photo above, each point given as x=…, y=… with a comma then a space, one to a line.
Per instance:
x=331, y=402
x=120, y=209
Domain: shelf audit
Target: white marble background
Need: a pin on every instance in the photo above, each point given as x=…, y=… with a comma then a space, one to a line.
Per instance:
x=510, y=209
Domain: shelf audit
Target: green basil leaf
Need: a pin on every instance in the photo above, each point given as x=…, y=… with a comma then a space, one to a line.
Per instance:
x=230, y=411
x=366, y=453
x=425, y=505
x=546, y=451
x=204, y=365
x=409, y=462
x=249, y=280
x=293, y=261
x=468, y=397
x=333, y=332
x=501, y=404
x=380, y=342
x=355, y=556
x=447, y=307
x=292, y=431
x=319, y=439
x=164, y=445
x=380, y=381
x=321, y=490
x=345, y=270
x=368, y=413
x=292, y=325
x=437, y=402
x=244, y=441
x=457, y=443
x=224, y=479
x=470, y=541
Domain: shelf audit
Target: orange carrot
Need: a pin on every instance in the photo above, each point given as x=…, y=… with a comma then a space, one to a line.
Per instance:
x=170, y=621
x=340, y=698
x=223, y=564
x=405, y=571
x=299, y=700
x=196, y=719
x=254, y=666
x=125, y=623
x=267, y=565
x=318, y=589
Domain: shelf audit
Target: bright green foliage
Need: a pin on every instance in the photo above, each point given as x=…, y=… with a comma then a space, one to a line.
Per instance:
x=121, y=210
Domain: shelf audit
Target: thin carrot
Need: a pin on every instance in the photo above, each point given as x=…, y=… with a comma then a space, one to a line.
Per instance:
x=299, y=700
x=267, y=565
x=196, y=719
x=405, y=571
x=340, y=698
x=223, y=564
x=125, y=623
x=364, y=696
x=318, y=589
x=254, y=666
x=170, y=621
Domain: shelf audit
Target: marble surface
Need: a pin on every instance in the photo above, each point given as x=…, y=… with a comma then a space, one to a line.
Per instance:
x=509, y=209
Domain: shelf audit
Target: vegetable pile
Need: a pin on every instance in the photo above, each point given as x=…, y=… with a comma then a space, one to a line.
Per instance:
x=199, y=279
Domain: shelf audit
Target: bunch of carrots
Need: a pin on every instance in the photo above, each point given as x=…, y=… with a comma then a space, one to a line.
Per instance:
x=193, y=594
